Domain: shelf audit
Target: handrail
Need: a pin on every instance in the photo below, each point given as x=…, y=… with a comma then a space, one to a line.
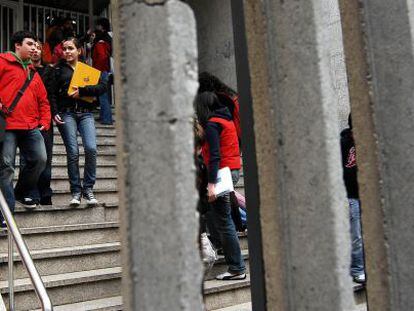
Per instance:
x=37, y=282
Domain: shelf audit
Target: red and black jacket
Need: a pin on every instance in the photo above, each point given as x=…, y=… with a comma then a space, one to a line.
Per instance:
x=221, y=146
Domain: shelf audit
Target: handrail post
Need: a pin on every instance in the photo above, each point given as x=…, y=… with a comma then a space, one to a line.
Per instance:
x=14, y=233
x=11, y=272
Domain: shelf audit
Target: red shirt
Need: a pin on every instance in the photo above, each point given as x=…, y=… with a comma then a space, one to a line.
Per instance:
x=101, y=54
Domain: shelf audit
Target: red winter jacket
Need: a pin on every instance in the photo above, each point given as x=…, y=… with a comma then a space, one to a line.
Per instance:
x=101, y=54
x=33, y=109
x=229, y=145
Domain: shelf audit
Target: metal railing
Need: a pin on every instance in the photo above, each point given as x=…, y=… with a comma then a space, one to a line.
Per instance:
x=14, y=234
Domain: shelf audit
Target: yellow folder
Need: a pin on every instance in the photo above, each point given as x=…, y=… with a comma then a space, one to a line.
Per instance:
x=82, y=76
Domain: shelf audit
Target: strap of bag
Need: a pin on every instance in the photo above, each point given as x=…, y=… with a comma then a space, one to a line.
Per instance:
x=19, y=94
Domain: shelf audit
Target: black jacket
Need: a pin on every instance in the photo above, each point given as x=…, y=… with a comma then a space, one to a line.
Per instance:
x=349, y=164
x=63, y=73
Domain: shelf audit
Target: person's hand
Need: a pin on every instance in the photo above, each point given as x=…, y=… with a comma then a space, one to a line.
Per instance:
x=41, y=128
x=75, y=93
x=58, y=120
x=210, y=192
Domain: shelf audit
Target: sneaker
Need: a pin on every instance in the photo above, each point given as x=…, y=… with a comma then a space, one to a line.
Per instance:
x=28, y=202
x=3, y=227
x=228, y=276
x=360, y=279
x=90, y=198
x=46, y=201
x=76, y=199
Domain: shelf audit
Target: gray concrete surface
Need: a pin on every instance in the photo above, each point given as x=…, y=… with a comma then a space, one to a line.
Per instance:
x=156, y=89
x=302, y=196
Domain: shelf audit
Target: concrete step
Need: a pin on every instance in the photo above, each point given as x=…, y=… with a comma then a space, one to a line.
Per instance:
x=60, y=159
x=59, y=147
x=100, y=183
x=67, y=235
x=104, y=196
x=66, y=260
x=100, y=131
x=100, y=140
x=82, y=286
x=56, y=215
x=222, y=294
x=221, y=267
x=242, y=307
x=105, y=304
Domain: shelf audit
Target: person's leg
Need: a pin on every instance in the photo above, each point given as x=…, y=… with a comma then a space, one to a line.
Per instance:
x=221, y=212
x=33, y=151
x=69, y=136
x=88, y=133
x=7, y=162
x=45, y=178
x=357, y=256
x=105, y=113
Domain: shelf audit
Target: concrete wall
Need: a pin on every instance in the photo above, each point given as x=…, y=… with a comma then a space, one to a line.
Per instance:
x=215, y=39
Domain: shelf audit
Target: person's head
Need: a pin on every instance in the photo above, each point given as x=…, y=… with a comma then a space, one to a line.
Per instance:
x=23, y=43
x=36, y=56
x=204, y=104
x=210, y=83
x=102, y=25
x=71, y=49
x=68, y=27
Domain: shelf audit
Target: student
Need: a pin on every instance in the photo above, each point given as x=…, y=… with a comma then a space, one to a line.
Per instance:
x=24, y=124
x=221, y=149
x=72, y=114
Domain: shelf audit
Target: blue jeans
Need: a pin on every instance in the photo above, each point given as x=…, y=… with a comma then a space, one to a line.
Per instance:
x=85, y=124
x=105, y=113
x=224, y=225
x=32, y=148
x=357, y=255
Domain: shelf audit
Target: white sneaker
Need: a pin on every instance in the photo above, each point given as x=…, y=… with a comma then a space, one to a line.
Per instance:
x=76, y=199
x=360, y=279
x=228, y=276
x=90, y=198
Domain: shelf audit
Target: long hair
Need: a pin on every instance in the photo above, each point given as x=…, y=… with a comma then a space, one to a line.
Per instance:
x=204, y=105
x=210, y=83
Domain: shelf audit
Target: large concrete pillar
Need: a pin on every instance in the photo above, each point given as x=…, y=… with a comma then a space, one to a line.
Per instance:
x=215, y=39
x=388, y=178
x=156, y=84
x=300, y=201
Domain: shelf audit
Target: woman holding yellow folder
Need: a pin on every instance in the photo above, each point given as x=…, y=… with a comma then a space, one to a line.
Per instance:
x=72, y=112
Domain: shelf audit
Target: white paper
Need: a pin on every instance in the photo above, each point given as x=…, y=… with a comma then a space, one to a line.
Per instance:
x=224, y=182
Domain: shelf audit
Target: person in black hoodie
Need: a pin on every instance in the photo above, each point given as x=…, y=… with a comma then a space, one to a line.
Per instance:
x=221, y=149
x=350, y=172
x=72, y=114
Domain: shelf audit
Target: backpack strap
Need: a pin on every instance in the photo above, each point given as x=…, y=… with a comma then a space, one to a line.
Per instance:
x=20, y=93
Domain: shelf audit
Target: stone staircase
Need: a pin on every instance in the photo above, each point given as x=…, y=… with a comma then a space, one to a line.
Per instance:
x=77, y=250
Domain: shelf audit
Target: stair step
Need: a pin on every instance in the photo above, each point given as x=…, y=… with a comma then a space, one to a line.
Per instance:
x=105, y=304
x=66, y=259
x=61, y=159
x=59, y=147
x=242, y=307
x=222, y=294
x=83, y=286
x=100, y=140
x=221, y=267
x=61, y=197
x=67, y=235
x=54, y=215
x=100, y=132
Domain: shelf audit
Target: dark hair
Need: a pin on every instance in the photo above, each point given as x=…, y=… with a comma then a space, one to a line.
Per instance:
x=204, y=105
x=75, y=41
x=19, y=36
x=210, y=83
x=104, y=22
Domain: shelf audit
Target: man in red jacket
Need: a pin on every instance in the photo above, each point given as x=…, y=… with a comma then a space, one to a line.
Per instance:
x=23, y=125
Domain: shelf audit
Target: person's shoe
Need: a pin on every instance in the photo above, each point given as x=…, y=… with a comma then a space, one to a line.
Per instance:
x=76, y=199
x=90, y=198
x=3, y=227
x=28, y=203
x=360, y=279
x=46, y=201
x=228, y=276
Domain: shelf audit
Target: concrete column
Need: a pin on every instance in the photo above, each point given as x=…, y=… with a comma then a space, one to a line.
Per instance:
x=390, y=56
x=156, y=83
x=303, y=211
x=369, y=177
x=215, y=38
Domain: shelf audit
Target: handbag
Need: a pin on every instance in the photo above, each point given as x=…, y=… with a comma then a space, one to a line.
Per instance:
x=5, y=111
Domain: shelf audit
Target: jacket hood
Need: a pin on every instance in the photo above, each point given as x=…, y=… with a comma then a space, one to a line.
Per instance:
x=222, y=112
